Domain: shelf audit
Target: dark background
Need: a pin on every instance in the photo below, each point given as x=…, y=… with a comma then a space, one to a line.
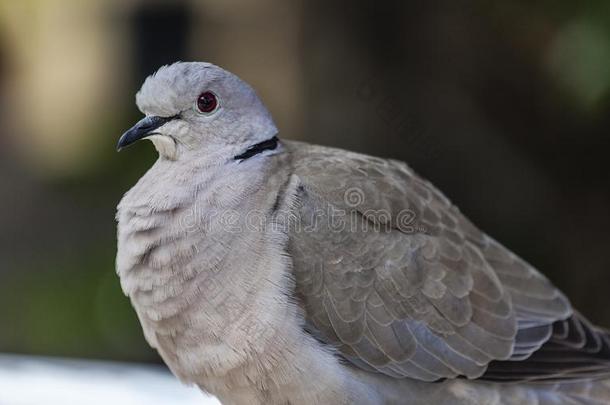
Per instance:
x=505, y=106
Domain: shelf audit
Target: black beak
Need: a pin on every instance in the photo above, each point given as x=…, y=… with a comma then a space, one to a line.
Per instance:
x=142, y=129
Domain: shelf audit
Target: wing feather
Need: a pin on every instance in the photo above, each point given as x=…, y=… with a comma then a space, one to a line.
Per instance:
x=395, y=277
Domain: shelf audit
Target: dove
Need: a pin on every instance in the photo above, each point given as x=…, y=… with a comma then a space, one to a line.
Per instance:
x=268, y=271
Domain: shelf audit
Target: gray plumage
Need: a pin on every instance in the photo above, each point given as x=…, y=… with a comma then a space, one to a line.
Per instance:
x=303, y=274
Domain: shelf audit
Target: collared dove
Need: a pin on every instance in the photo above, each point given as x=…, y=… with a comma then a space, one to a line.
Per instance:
x=277, y=272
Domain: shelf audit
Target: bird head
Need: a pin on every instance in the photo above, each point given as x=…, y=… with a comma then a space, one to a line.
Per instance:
x=198, y=110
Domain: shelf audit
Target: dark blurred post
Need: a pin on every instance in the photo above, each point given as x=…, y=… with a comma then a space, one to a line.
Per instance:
x=160, y=33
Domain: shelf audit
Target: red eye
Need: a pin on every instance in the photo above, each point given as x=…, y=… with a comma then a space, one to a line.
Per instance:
x=207, y=102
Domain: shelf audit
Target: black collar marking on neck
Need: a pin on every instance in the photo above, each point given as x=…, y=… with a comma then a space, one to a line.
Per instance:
x=260, y=147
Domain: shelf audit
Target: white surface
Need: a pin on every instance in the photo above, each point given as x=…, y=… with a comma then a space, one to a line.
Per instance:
x=38, y=380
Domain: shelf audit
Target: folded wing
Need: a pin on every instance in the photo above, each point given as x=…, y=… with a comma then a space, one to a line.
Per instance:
x=393, y=275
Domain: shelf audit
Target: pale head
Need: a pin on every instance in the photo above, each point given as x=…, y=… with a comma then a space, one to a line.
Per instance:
x=197, y=110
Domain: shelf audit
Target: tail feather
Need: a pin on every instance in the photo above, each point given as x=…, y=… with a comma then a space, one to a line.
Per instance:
x=575, y=351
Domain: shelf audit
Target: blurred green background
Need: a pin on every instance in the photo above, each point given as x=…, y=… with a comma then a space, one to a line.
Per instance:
x=504, y=105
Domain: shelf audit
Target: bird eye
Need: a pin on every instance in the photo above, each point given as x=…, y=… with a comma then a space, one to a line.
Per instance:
x=207, y=102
